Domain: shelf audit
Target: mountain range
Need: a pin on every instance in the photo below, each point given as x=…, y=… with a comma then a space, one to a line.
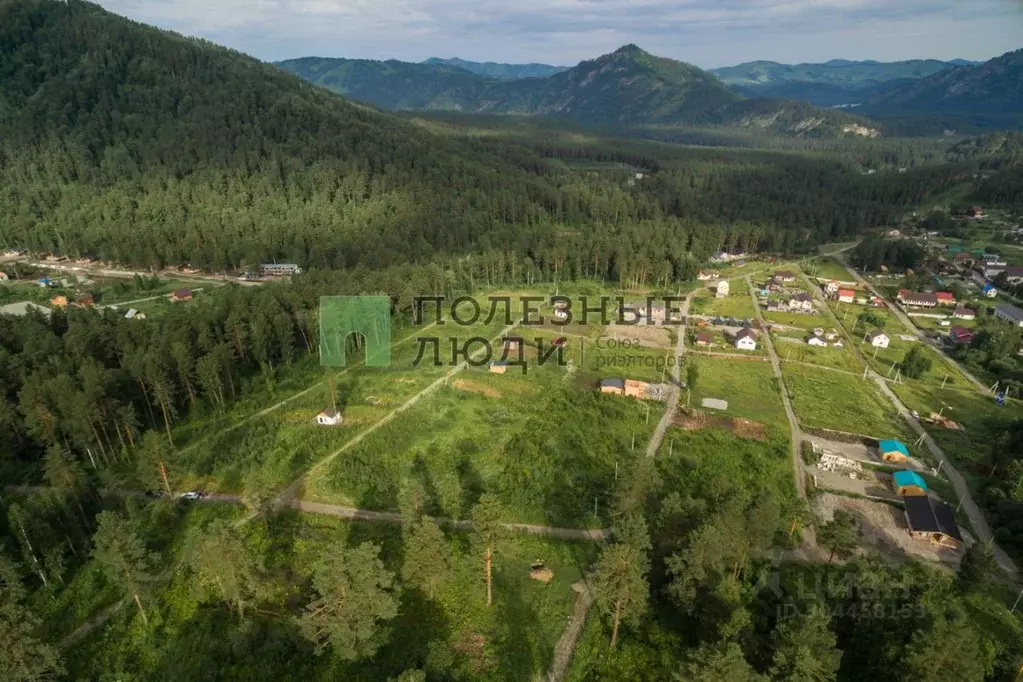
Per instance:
x=624, y=88
x=498, y=70
x=831, y=83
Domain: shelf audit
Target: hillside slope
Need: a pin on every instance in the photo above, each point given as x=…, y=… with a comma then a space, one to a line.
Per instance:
x=993, y=89
x=628, y=87
x=499, y=70
x=838, y=72
x=143, y=146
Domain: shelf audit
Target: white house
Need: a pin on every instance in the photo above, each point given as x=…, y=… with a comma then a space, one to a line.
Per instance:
x=831, y=288
x=846, y=296
x=814, y=340
x=964, y=314
x=722, y=289
x=560, y=314
x=801, y=301
x=329, y=417
x=746, y=339
x=878, y=339
x=707, y=275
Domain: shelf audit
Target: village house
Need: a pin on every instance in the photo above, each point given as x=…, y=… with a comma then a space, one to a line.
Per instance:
x=975, y=212
x=964, y=314
x=703, y=339
x=1014, y=274
x=801, y=302
x=722, y=289
x=329, y=417
x=960, y=336
x=181, y=295
x=893, y=451
x=878, y=339
x=831, y=335
x=1009, y=313
x=626, y=387
x=846, y=295
x=917, y=299
x=746, y=339
x=963, y=258
x=784, y=277
x=990, y=270
x=133, y=314
x=773, y=306
x=990, y=291
x=707, y=275
x=830, y=287
x=3, y=277
x=932, y=520
x=945, y=298
x=279, y=269
x=560, y=314
x=59, y=301
x=909, y=483
x=814, y=340
x=84, y=300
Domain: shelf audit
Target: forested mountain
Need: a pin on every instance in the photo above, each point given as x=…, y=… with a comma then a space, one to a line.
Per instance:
x=627, y=87
x=992, y=91
x=840, y=72
x=833, y=83
x=498, y=70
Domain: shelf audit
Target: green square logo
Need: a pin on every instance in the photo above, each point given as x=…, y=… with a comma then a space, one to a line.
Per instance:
x=342, y=316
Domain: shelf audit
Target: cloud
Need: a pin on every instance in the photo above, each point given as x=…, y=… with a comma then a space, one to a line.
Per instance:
x=706, y=32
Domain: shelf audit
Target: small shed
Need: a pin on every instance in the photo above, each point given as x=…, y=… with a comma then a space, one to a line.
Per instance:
x=893, y=451
x=616, y=386
x=715, y=403
x=59, y=301
x=909, y=483
x=498, y=367
x=703, y=339
x=84, y=300
x=329, y=417
x=181, y=295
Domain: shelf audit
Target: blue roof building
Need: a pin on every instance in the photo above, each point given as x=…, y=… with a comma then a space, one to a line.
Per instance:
x=909, y=483
x=893, y=450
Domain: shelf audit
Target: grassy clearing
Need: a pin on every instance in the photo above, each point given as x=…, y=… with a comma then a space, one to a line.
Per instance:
x=737, y=304
x=827, y=268
x=277, y=447
x=749, y=386
x=800, y=320
x=838, y=358
x=452, y=635
x=981, y=418
x=831, y=400
x=882, y=359
x=546, y=447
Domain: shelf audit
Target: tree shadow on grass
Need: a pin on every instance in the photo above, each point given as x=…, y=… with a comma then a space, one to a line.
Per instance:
x=472, y=485
x=517, y=621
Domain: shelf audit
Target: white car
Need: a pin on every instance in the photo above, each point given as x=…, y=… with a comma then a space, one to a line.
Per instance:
x=190, y=495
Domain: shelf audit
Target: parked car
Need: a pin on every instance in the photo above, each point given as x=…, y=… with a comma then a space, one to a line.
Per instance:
x=154, y=493
x=191, y=495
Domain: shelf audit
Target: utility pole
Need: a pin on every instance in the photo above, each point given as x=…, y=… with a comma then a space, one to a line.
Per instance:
x=1013, y=609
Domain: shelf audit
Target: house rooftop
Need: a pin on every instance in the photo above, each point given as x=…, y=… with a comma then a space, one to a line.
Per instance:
x=1010, y=311
x=612, y=383
x=927, y=515
x=893, y=446
x=909, y=478
x=746, y=333
x=329, y=412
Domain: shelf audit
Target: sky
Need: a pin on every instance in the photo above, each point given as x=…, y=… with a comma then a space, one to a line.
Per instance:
x=708, y=33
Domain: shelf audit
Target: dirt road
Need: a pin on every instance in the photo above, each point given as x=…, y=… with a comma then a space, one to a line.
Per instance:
x=676, y=388
x=796, y=433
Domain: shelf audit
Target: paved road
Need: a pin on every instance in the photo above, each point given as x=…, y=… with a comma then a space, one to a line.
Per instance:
x=676, y=388
x=908, y=322
x=796, y=433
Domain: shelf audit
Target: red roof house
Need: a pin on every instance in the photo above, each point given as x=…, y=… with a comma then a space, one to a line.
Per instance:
x=960, y=335
x=946, y=298
x=846, y=295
